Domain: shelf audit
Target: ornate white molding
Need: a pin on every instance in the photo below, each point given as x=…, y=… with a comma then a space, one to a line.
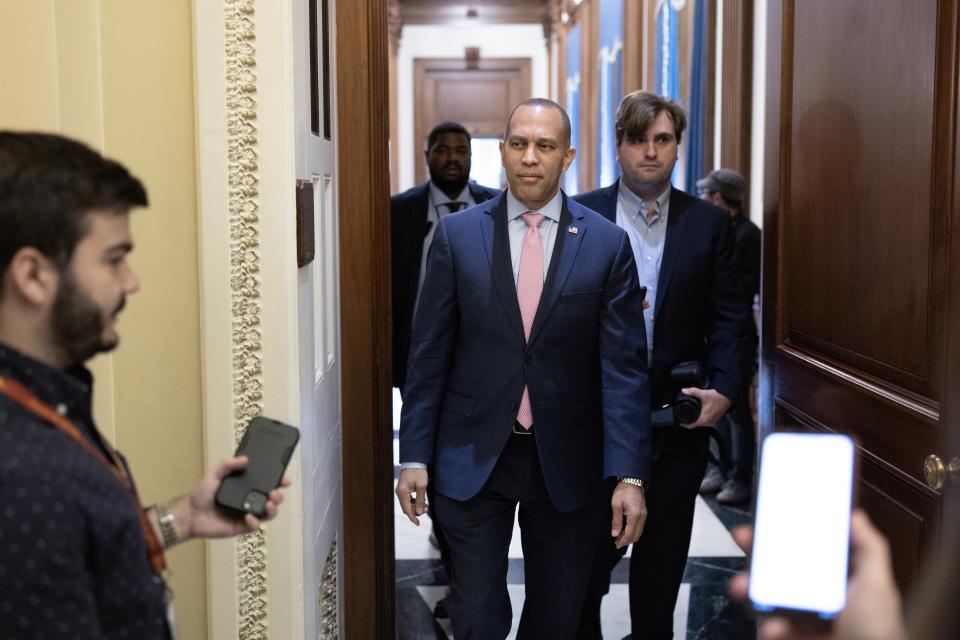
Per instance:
x=330, y=597
x=245, y=293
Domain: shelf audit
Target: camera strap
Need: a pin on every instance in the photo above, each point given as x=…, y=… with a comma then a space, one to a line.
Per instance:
x=23, y=397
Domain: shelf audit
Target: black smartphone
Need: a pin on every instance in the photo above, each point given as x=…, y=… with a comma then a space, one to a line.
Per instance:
x=268, y=444
x=801, y=537
x=643, y=293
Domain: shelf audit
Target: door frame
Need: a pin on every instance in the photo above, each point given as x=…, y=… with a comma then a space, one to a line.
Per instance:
x=364, y=196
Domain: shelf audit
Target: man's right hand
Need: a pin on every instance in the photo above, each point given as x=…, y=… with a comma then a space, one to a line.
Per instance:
x=873, y=608
x=412, y=493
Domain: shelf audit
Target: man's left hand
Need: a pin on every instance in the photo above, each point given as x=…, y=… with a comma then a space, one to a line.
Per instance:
x=713, y=405
x=197, y=516
x=628, y=504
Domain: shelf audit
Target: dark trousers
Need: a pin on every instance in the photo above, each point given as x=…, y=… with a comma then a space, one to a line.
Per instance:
x=557, y=552
x=659, y=558
x=736, y=429
x=437, y=527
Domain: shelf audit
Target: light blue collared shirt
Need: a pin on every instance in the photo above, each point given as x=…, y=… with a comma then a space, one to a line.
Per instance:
x=517, y=229
x=647, y=236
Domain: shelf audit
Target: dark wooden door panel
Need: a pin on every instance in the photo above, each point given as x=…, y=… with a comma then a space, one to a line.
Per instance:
x=479, y=95
x=901, y=506
x=859, y=297
x=908, y=512
x=883, y=426
x=858, y=214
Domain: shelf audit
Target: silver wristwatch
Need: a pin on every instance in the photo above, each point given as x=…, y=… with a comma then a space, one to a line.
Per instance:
x=167, y=528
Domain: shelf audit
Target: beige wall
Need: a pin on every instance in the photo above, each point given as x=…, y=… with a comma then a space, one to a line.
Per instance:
x=119, y=75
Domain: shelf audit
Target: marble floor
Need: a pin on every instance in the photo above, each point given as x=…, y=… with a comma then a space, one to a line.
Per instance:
x=703, y=611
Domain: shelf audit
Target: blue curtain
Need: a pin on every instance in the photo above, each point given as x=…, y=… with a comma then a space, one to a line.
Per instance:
x=610, y=90
x=698, y=77
x=667, y=76
x=570, y=183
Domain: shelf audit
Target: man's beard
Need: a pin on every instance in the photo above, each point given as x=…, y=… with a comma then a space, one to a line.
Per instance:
x=449, y=186
x=78, y=322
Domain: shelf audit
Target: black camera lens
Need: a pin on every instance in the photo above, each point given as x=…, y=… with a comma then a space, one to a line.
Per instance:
x=686, y=409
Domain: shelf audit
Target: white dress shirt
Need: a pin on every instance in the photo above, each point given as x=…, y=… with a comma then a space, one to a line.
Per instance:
x=517, y=229
x=436, y=209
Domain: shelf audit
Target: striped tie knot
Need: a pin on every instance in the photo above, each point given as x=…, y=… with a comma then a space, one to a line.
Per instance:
x=532, y=219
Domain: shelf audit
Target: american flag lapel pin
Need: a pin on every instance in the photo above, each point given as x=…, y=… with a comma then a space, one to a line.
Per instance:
x=572, y=230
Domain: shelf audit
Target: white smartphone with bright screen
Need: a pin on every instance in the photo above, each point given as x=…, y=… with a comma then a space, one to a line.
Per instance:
x=801, y=538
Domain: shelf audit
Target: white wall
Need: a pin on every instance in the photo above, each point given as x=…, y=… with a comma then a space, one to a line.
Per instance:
x=428, y=41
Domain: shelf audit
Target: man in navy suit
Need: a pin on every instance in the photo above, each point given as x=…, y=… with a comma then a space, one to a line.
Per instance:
x=684, y=250
x=527, y=385
x=414, y=215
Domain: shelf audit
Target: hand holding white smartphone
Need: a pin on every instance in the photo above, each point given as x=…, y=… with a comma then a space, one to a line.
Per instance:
x=801, y=537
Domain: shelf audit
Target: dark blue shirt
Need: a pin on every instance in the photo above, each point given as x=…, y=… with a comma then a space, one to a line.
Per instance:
x=73, y=562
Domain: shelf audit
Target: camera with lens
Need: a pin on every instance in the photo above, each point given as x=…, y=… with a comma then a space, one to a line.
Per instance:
x=683, y=409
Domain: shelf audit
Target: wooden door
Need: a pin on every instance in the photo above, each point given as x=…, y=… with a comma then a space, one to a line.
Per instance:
x=479, y=95
x=861, y=293
x=318, y=314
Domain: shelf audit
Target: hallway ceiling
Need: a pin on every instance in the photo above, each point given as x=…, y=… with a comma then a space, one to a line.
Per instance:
x=476, y=12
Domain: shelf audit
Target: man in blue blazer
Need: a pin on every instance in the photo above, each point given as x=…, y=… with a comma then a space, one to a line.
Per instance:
x=694, y=311
x=527, y=386
x=414, y=215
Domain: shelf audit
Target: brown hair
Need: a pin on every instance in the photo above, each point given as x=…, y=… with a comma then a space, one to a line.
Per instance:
x=48, y=185
x=639, y=109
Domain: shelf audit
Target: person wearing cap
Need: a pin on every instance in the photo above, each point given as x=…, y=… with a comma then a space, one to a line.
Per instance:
x=684, y=252
x=727, y=189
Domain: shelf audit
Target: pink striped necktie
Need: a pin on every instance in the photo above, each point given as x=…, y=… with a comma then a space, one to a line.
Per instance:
x=529, y=288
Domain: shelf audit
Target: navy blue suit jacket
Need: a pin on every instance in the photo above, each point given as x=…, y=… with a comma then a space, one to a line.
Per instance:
x=699, y=310
x=408, y=226
x=584, y=363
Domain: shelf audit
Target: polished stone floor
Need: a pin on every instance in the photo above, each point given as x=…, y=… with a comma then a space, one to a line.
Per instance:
x=703, y=611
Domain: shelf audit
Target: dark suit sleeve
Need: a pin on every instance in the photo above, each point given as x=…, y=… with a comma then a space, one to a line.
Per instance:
x=729, y=313
x=751, y=264
x=431, y=351
x=623, y=371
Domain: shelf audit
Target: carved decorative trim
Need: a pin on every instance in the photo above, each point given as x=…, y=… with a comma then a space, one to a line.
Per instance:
x=244, y=212
x=394, y=24
x=329, y=597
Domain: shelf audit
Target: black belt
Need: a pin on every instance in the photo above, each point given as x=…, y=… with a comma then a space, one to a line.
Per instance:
x=520, y=430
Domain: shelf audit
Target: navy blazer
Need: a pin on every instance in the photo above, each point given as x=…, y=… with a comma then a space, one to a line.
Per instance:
x=585, y=362
x=408, y=226
x=699, y=310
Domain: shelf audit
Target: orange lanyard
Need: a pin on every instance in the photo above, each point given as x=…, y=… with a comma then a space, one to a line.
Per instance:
x=22, y=396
